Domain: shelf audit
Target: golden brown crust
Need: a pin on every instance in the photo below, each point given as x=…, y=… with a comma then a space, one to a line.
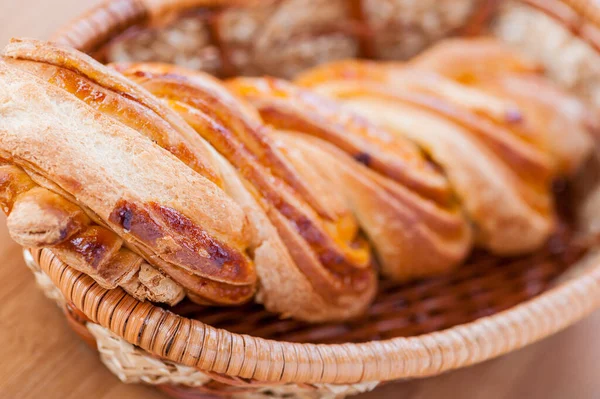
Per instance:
x=334, y=263
x=467, y=60
x=499, y=122
x=289, y=107
x=175, y=85
x=109, y=93
x=406, y=209
x=411, y=238
x=13, y=182
x=109, y=183
x=40, y=218
x=552, y=112
x=511, y=134
x=229, y=135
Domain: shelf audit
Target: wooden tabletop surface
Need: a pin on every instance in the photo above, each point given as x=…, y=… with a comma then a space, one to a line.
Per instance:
x=42, y=358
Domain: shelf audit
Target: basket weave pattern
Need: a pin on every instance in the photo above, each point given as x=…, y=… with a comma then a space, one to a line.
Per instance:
x=133, y=365
x=488, y=308
x=196, y=344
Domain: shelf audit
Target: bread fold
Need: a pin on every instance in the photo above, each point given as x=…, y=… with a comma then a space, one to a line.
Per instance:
x=171, y=214
x=38, y=217
x=315, y=234
x=493, y=126
x=410, y=214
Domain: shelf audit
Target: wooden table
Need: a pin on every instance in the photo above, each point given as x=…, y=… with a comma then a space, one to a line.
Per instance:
x=41, y=358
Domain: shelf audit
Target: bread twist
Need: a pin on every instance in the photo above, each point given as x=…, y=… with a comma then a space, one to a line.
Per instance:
x=260, y=188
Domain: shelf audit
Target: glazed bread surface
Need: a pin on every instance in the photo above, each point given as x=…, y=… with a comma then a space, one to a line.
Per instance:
x=151, y=199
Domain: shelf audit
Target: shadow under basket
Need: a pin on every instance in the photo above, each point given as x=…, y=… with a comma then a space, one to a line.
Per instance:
x=486, y=308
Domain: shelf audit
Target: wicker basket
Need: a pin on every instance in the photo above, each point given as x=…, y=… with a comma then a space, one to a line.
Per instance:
x=488, y=308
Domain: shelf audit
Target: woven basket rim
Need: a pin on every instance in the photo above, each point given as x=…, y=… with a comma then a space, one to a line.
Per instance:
x=193, y=343
x=151, y=328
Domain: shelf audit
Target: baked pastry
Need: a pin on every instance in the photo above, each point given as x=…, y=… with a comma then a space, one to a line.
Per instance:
x=39, y=217
x=172, y=214
x=165, y=203
x=403, y=203
x=412, y=238
x=169, y=183
x=499, y=145
x=318, y=262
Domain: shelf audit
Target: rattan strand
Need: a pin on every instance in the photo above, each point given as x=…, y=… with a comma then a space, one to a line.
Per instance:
x=206, y=348
x=133, y=365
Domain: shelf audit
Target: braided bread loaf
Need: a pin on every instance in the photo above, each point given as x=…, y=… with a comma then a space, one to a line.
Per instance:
x=167, y=182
